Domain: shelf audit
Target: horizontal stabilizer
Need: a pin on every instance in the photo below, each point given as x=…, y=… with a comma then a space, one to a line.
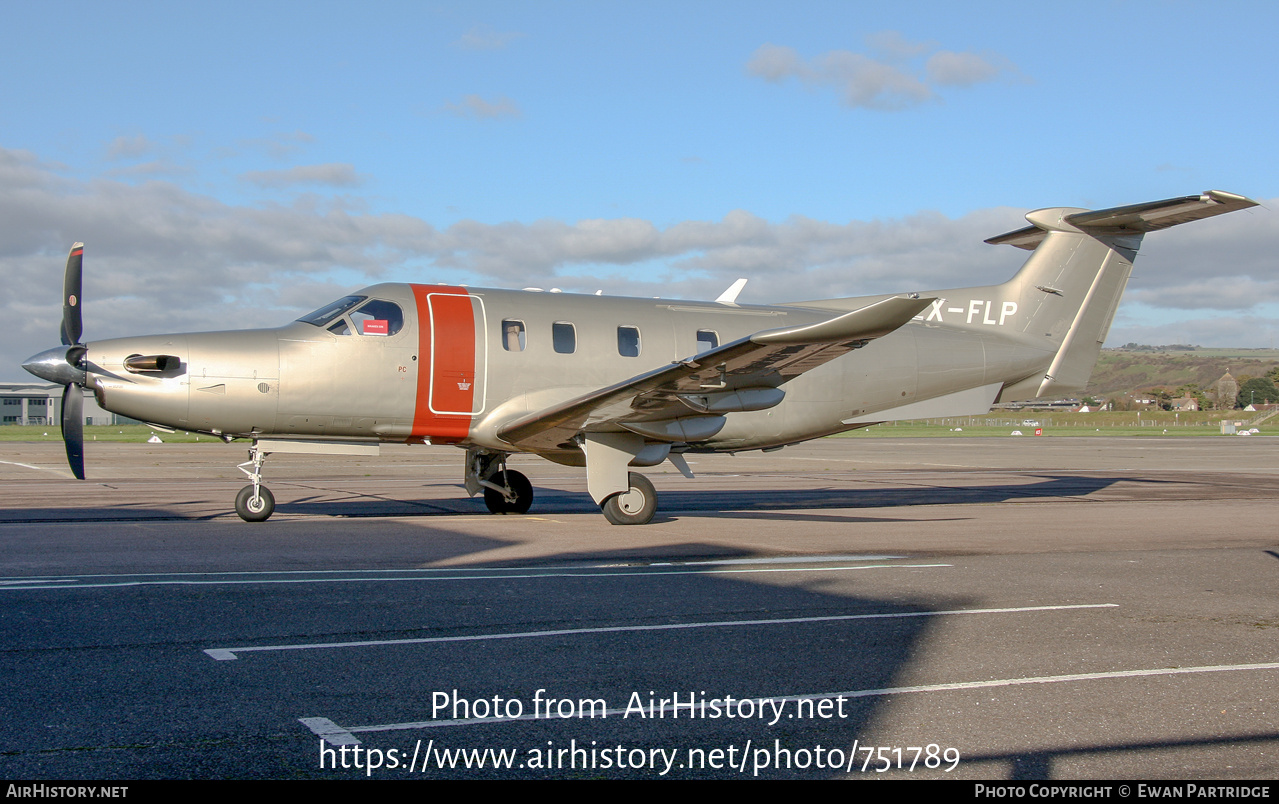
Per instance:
x=1132, y=219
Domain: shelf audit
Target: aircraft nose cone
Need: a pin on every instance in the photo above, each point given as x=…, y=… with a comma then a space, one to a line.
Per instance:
x=52, y=365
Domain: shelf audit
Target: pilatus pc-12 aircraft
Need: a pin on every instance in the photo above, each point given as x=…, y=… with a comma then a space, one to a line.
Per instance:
x=613, y=383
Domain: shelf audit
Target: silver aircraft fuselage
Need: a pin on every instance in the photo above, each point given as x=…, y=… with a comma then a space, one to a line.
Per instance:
x=448, y=376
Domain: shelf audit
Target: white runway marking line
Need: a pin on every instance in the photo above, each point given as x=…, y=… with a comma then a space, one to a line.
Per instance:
x=770, y=560
x=334, y=734
x=423, y=570
x=57, y=472
x=228, y=654
x=871, y=463
x=531, y=573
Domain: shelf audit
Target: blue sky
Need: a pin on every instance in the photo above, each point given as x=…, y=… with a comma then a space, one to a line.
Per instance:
x=237, y=164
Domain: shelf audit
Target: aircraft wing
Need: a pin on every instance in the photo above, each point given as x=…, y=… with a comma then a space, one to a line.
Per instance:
x=742, y=375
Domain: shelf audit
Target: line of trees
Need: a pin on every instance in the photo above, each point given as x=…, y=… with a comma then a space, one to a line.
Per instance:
x=1257, y=391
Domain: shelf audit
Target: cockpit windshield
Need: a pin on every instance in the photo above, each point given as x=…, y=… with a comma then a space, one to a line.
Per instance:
x=331, y=311
x=376, y=317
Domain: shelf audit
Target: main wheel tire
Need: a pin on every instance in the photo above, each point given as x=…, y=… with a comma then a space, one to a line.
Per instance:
x=255, y=510
x=633, y=507
x=517, y=483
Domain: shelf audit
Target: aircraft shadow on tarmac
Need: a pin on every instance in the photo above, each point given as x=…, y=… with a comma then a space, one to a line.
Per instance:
x=728, y=501
x=753, y=503
x=613, y=630
x=1034, y=765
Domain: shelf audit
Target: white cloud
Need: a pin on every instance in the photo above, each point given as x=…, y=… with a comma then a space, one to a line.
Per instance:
x=333, y=174
x=889, y=83
x=130, y=147
x=153, y=169
x=482, y=37
x=162, y=258
x=892, y=45
x=475, y=107
x=1231, y=293
x=959, y=69
x=777, y=63
x=281, y=145
x=871, y=84
x=1249, y=331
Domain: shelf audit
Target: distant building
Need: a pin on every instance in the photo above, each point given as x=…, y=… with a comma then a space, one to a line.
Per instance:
x=1226, y=390
x=37, y=404
x=1185, y=403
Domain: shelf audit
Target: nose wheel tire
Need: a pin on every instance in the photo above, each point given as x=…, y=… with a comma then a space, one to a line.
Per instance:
x=520, y=488
x=635, y=506
x=255, y=509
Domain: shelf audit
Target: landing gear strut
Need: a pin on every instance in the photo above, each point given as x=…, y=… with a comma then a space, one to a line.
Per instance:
x=255, y=502
x=506, y=491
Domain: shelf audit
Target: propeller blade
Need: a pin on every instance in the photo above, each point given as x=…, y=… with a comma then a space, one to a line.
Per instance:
x=73, y=427
x=72, y=323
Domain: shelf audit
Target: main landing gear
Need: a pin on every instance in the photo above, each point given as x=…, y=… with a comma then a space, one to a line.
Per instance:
x=635, y=506
x=632, y=501
x=506, y=491
x=511, y=494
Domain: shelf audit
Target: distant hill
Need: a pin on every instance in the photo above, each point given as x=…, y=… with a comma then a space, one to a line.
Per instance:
x=1122, y=371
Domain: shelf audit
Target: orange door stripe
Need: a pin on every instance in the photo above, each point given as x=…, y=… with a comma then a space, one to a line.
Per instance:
x=445, y=382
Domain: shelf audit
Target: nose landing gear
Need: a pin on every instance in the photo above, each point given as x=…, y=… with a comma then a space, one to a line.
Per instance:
x=255, y=507
x=255, y=502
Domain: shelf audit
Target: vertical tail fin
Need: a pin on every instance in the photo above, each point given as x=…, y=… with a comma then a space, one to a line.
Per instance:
x=1068, y=290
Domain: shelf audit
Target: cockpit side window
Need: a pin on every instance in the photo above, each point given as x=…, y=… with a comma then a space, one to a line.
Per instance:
x=328, y=312
x=378, y=317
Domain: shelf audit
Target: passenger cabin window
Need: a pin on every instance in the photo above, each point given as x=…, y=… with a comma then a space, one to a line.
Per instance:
x=628, y=341
x=378, y=318
x=513, y=339
x=564, y=337
x=706, y=340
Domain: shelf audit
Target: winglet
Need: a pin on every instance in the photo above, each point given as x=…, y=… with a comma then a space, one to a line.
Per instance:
x=730, y=296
